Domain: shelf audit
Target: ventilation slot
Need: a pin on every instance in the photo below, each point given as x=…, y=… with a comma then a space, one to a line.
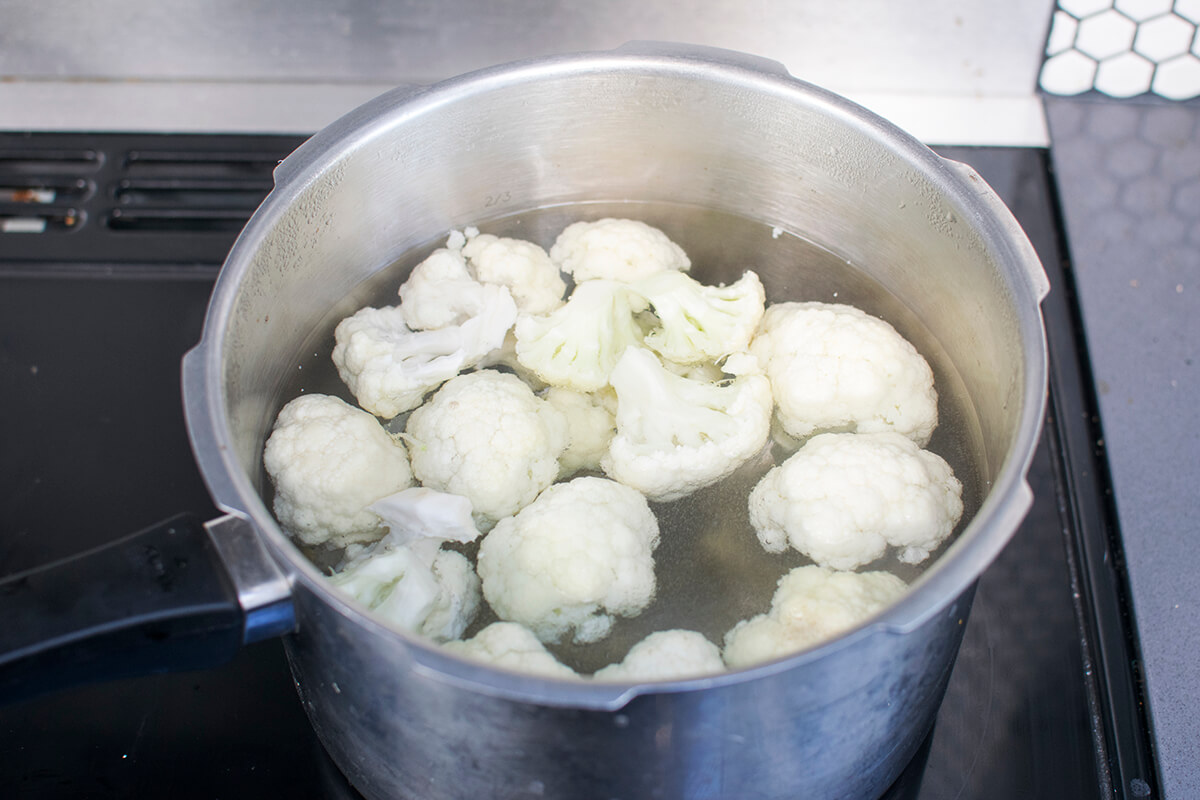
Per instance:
x=200, y=192
x=48, y=162
x=180, y=220
x=117, y=199
x=41, y=190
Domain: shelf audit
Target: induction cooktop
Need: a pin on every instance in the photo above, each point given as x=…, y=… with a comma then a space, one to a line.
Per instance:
x=109, y=246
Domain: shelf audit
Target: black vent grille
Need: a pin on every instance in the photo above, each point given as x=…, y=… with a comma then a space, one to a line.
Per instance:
x=115, y=199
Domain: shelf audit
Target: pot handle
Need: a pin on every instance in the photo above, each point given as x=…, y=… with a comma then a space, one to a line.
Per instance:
x=179, y=595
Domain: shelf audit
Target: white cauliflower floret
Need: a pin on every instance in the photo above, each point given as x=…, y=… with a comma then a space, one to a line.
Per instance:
x=390, y=368
x=526, y=269
x=579, y=343
x=436, y=598
x=440, y=292
x=616, y=249
x=571, y=560
x=420, y=515
x=406, y=577
x=666, y=656
x=810, y=605
x=843, y=498
x=836, y=368
x=513, y=647
x=676, y=435
x=486, y=436
x=328, y=462
x=699, y=322
x=590, y=427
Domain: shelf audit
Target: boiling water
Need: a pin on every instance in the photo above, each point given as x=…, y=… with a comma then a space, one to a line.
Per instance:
x=711, y=570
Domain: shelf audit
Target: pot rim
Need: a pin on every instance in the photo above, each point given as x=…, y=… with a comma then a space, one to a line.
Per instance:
x=954, y=571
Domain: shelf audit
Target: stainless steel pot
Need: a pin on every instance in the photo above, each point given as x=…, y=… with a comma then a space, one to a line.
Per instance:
x=681, y=134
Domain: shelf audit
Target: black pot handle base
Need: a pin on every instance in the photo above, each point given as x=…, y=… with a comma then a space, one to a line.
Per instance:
x=179, y=595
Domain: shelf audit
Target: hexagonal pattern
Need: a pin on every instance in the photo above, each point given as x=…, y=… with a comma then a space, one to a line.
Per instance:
x=1189, y=10
x=1062, y=33
x=1164, y=37
x=1105, y=34
x=1083, y=8
x=1068, y=73
x=1125, y=75
x=1124, y=48
x=1142, y=10
x=1178, y=79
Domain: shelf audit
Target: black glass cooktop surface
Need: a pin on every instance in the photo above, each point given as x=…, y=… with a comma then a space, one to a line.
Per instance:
x=104, y=279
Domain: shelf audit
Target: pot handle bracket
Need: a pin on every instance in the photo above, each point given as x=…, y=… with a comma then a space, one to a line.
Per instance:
x=1039, y=282
x=180, y=595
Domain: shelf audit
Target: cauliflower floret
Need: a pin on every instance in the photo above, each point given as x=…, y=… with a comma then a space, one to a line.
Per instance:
x=522, y=266
x=435, y=597
x=440, y=292
x=843, y=498
x=328, y=462
x=810, y=605
x=616, y=249
x=513, y=647
x=406, y=577
x=666, y=656
x=579, y=343
x=419, y=515
x=675, y=435
x=836, y=368
x=568, y=562
x=698, y=322
x=486, y=436
x=590, y=427
x=390, y=368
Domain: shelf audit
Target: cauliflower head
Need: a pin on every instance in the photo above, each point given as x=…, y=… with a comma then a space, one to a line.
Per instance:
x=698, y=322
x=811, y=604
x=440, y=292
x=523, y=267
x=616, y=249
x=513, y=647
x=486, y=436
x=578, y=344
x=835, y=368
x=590, y=427
x=436, y=596
x=676, y=435
x=328, y=462
x=579, y=554
x=390, y=367
x=666, y=656
x=843, y=498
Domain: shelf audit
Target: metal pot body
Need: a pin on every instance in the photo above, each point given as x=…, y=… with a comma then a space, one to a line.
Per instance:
x=843, y=725
x=691, y=132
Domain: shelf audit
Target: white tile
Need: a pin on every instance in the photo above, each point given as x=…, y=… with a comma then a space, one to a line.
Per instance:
x=1188, y=9
x=1142, y=10
x=1062, y=33
x=1105, y=34
x=1178, y=79
x=1164, y=37
x=1082, y=8
x=1068, y=73
x=1124, y=75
